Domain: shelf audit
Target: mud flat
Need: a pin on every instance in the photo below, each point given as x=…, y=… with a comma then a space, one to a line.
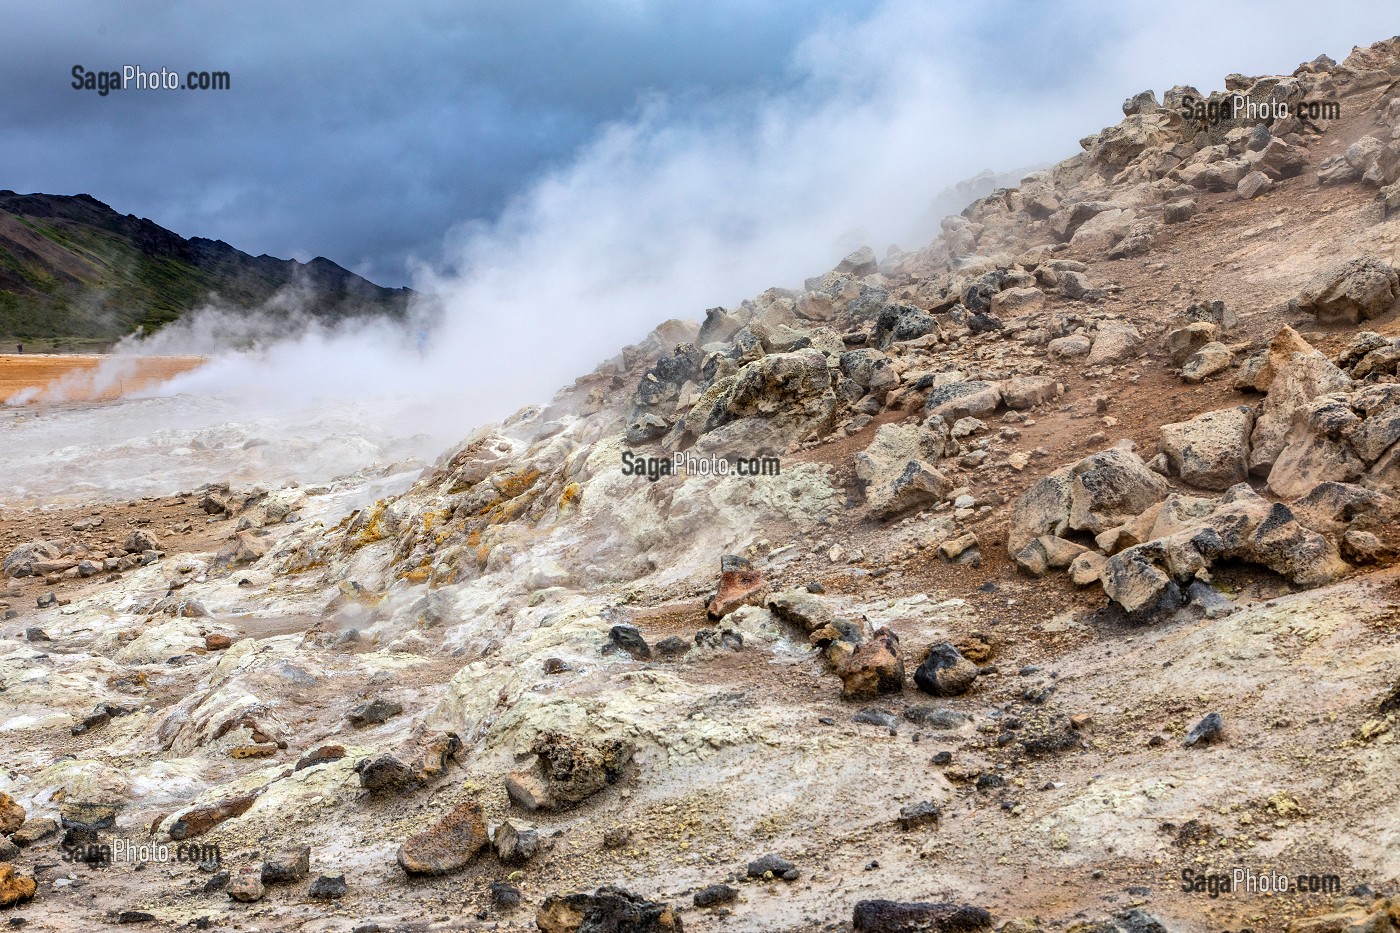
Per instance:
x=47, y=377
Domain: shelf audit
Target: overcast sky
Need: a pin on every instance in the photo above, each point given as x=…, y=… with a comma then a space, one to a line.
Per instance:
x=365, y=131
x=357, y=130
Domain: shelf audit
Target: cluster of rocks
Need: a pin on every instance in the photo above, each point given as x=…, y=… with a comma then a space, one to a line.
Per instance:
x=1111, y=518
x=58, y=559
x=869, y=660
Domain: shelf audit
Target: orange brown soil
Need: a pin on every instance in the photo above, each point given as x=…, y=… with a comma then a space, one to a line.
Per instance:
x=40, y=371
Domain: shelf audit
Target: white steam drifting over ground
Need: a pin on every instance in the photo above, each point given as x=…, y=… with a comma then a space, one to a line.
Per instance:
x=690, y=204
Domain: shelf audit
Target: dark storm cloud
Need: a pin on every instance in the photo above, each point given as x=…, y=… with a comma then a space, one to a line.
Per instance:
x=358, y=131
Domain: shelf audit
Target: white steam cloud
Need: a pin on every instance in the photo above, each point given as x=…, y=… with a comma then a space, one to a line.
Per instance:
x=707, y=200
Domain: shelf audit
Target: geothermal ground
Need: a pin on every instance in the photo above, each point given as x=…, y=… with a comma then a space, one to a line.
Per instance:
x=1074, y=594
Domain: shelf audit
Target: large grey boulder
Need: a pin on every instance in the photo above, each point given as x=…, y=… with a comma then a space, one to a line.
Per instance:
x=1023, y=392
x=1316, y=449
x=897, y=469
x=1110, y=487
x=1115, y=342
x=1297, y=380
x=1353, y=291
x=1210, y=451
x=20, y=561
x=787, y=396
x=972, y=399
x=1151, y=577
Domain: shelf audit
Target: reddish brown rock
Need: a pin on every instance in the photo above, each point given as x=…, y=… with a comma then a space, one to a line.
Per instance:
x=320, y=756
x=739, y=585
x=448, y=845
x=874, y=669
x=246, y=885
x=200, y=820
x=217, y=642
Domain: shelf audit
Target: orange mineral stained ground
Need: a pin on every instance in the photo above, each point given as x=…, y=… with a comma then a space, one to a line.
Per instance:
x=78, y=373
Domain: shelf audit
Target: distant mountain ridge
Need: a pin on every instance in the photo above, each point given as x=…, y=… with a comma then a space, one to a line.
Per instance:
x=71, y=266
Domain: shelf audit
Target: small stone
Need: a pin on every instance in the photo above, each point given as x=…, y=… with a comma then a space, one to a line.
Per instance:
x=246, y=885
x=739, y=585
x=874, y=669
x=877, y=717
x=140, y=541
x=504, y=896
x=919, y=814
x=289, y=865
x=320, y=756
x=629, y=639
x=672, y=646
x=609, y=908
x=375, y=712
x=891, y=916
x=327, y=887
x=256, y=750
x=1208, y=731
x=202, y=819
x=216, y=641
x=616, y=837
x=33, y=831
x=515, y=845
x=774, y=864
x=943, y=758
x=555, y=666
x=134, y=916
x=387, y=773
x=45, y=601
x=934, y=717
x=954, y=548
x=715, y=895
x=945, y=672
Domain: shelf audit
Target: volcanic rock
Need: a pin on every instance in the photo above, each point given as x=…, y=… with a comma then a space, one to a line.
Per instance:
x=375, y=712
x=287, y=866
x=945, y=672
x=876, y=668
x=881, y=916
x=448, y=845
x=327, y=887
x=607, y=909
x=246, y=885
x=739, y=585
x=14, y=887
x=566, y=771
x=12, y=815
x=200, y=820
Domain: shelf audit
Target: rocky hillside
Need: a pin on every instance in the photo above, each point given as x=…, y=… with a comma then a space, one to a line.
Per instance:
x=73, y=267
x=1070, y=604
